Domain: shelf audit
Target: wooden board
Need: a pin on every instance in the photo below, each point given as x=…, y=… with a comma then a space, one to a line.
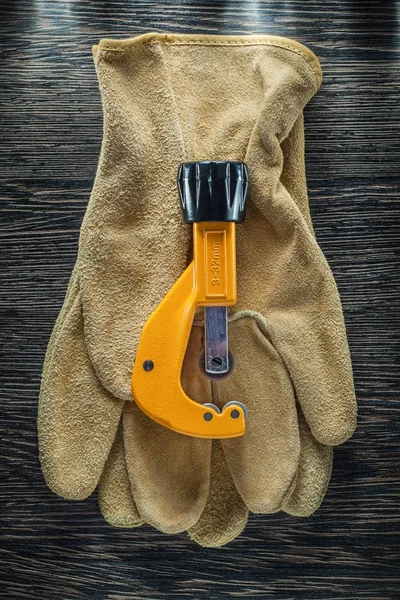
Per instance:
x=50, y=141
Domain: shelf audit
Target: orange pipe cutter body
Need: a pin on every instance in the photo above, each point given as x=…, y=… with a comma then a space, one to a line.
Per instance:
x=208, y=190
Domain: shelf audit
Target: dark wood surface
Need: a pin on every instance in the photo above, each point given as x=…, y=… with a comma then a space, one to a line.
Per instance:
x=50, y=139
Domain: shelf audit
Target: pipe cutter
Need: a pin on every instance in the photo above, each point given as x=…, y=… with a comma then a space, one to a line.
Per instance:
x=213, y=199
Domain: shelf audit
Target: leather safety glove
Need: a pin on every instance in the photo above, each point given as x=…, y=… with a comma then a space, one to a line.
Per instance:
x=147, y=95
x=290, y=315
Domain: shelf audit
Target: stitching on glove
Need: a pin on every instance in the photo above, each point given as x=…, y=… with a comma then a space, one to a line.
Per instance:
x=316, y=71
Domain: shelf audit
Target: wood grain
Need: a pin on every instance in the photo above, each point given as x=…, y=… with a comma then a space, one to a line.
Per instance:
x=51, y=128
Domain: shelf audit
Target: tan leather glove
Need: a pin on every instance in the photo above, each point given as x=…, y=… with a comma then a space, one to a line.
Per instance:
x=133, y=247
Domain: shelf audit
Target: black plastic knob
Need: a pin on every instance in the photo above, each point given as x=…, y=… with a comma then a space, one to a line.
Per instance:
x=213, y=191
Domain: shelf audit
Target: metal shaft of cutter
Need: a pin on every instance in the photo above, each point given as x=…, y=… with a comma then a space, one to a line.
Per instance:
x=216, y=340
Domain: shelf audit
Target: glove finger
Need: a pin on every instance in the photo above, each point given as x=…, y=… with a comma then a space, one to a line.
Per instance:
x=298, y=297
x=225, y=514
x=264, y=461
x=313, y=475
x=77, y=417
x=312, y=342
x=169, y=472
x=115, y=497
x=294, y=180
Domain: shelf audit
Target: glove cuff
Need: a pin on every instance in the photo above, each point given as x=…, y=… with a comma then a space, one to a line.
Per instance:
x=215, y=40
